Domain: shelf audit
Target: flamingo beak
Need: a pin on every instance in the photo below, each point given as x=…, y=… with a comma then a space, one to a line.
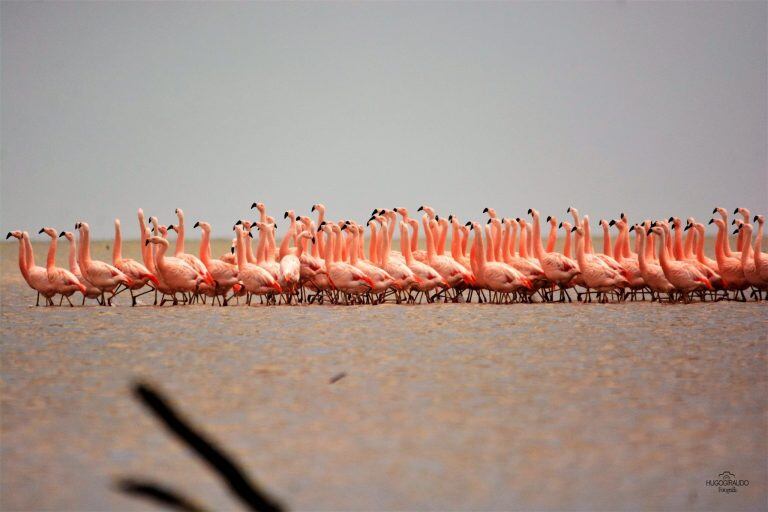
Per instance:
x=285, y=215
x=60, y=234
x=710, y=221
x=313, y=208
x=633, y=228
x=612, y=222
x=755, y=219
x=736, y=230
x=485, y=210
x=254, y=206
x=736, y=211
x=573, y=229
x=146, y=242
x=41, y=231
x=8, y=235
x=197, y=224
x=560, y=225
x=687, y=227
x=549, y=217
x=714, y=211
x=530, y=211
x=232, y=250
x=568, y=210
x=420, y=208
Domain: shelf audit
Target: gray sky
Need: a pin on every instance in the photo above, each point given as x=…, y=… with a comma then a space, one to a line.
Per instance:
x=655, y=109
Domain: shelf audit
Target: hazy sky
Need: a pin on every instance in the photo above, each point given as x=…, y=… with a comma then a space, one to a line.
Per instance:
x=655, y=109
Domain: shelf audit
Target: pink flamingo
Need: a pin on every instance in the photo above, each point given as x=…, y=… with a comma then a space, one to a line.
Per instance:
x=91, y=292
x=429, y=278
x=64, y=281
x=176, y=273
x=684, y=277
x=35, y=276
x=136, y=272
x=193, y=260
x=730, y=268
x=225, y=275
x=255, y=279
x=449, y=269
x=341, y=275
x=751, y=272
x=557, y=267
x=493, y=275
x=652, y=273
x=379, y=277
x=103, y=276
x=597, y=275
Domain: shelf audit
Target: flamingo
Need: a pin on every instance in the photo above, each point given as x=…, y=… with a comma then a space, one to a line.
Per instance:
x=91, y=292
x=429, y=278
x=103, y=276
x=449, y=269
x=341, y=275
x=35, y=276
x=193, y=260
x=64, y=281
x=255, y=279
x=557, y=267
x=761, y=258
x=652, y=273
x=730, y=268
x=136, y=272
x=225, y=275
x=176, y=273
x=685, y=277
x=751, y=272
x=597, y=275
x=493, y=275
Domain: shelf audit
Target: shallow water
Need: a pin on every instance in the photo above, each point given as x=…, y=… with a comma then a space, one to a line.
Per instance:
x=540, y=406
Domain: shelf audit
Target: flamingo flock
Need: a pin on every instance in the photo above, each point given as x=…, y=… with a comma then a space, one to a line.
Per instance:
x=501, y=260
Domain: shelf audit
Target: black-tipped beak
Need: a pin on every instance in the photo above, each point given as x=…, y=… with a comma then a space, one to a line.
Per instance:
x=60, y=234
x=560, y=225
x=232, y=250
x=653, y=224
x=254, y=206
x=77, y=226
x=670, y=219
x=489, y=221
x=573, y=229
x=710, y=221
x=733, y=222
x=394, y=210
x=517, y=219
x=450, y=217
x=437, y=217
x=755, y=219
x=285, y=215
x=313, y=208
x=146, y=242
x=549, y=218
x=631, y=229
x=530, y=211
x=347, y=223
x=172, y=227
x=250, y=234
x=736, y=230
x=568, y=210
x=612, y=222
x=238, y=222
x=197, y=224
x=320, y=228
x=323, y=223
x=420, y=208
x=313, y=240
x=8, y=235
x=485, y=210
x=469, y=223
x=622, y=215
x=41, y=231
x=714, y=211
x=687, y=227
x=736, y=211
x=343, y=227
x=375, y=211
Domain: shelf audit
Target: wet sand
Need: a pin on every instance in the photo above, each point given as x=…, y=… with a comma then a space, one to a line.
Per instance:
x=544, y=406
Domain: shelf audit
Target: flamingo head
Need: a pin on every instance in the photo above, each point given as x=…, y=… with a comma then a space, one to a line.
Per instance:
x=14, y=234
x=402, y=211
x=49, y=231
x=533, y=213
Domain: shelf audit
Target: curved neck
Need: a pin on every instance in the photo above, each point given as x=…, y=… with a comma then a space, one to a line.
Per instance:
x=337, y=243
x=580, y=255
x=607, y=246
x=23, y=259
x=490, y=254
x=641, y=255
x=240, y=250
x=720, y=242
x=759, y=242
x=479, y=250
x=73, y=266
x=678, y=245
x=537, y=247
x=663, y=256
x=689, y=239
x=725, y=241
x=430, y=241
x=117, y=247
x=443, y=228
x=205, y=247
x=50, y=262
x=85, y=247
x=260, y=251
x=588, y=248
x=505, y=243
x=567, y=245
x=415, y=237
x=523, y=244
x=180, y=236
x=405, y=245
x=552, y=239
x=746, y=248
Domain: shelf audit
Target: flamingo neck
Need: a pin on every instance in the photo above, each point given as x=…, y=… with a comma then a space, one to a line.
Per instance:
x=415, y=238
x=759, y=242
x=641, y=255
x=205, y=248
x=430, y=240
x=73, y=266
x=249, y=257
x=567, y=245
x=505, y=256
x=607, y=246
x=746, y=248
x=117, y=247
x=405, y=245
x=490, y=254
x=678, y=245
x=689, y=241
x=240, y=251
x=372, y=253
x=50, y=262
x=588, y=247
x=23, y=259
x=537, y=246
x=479, y=251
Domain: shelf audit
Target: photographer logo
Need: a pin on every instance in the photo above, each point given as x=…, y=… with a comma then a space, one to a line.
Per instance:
x=727, y=482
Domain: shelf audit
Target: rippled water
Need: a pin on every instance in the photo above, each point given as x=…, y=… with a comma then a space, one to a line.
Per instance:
x=545, y=406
